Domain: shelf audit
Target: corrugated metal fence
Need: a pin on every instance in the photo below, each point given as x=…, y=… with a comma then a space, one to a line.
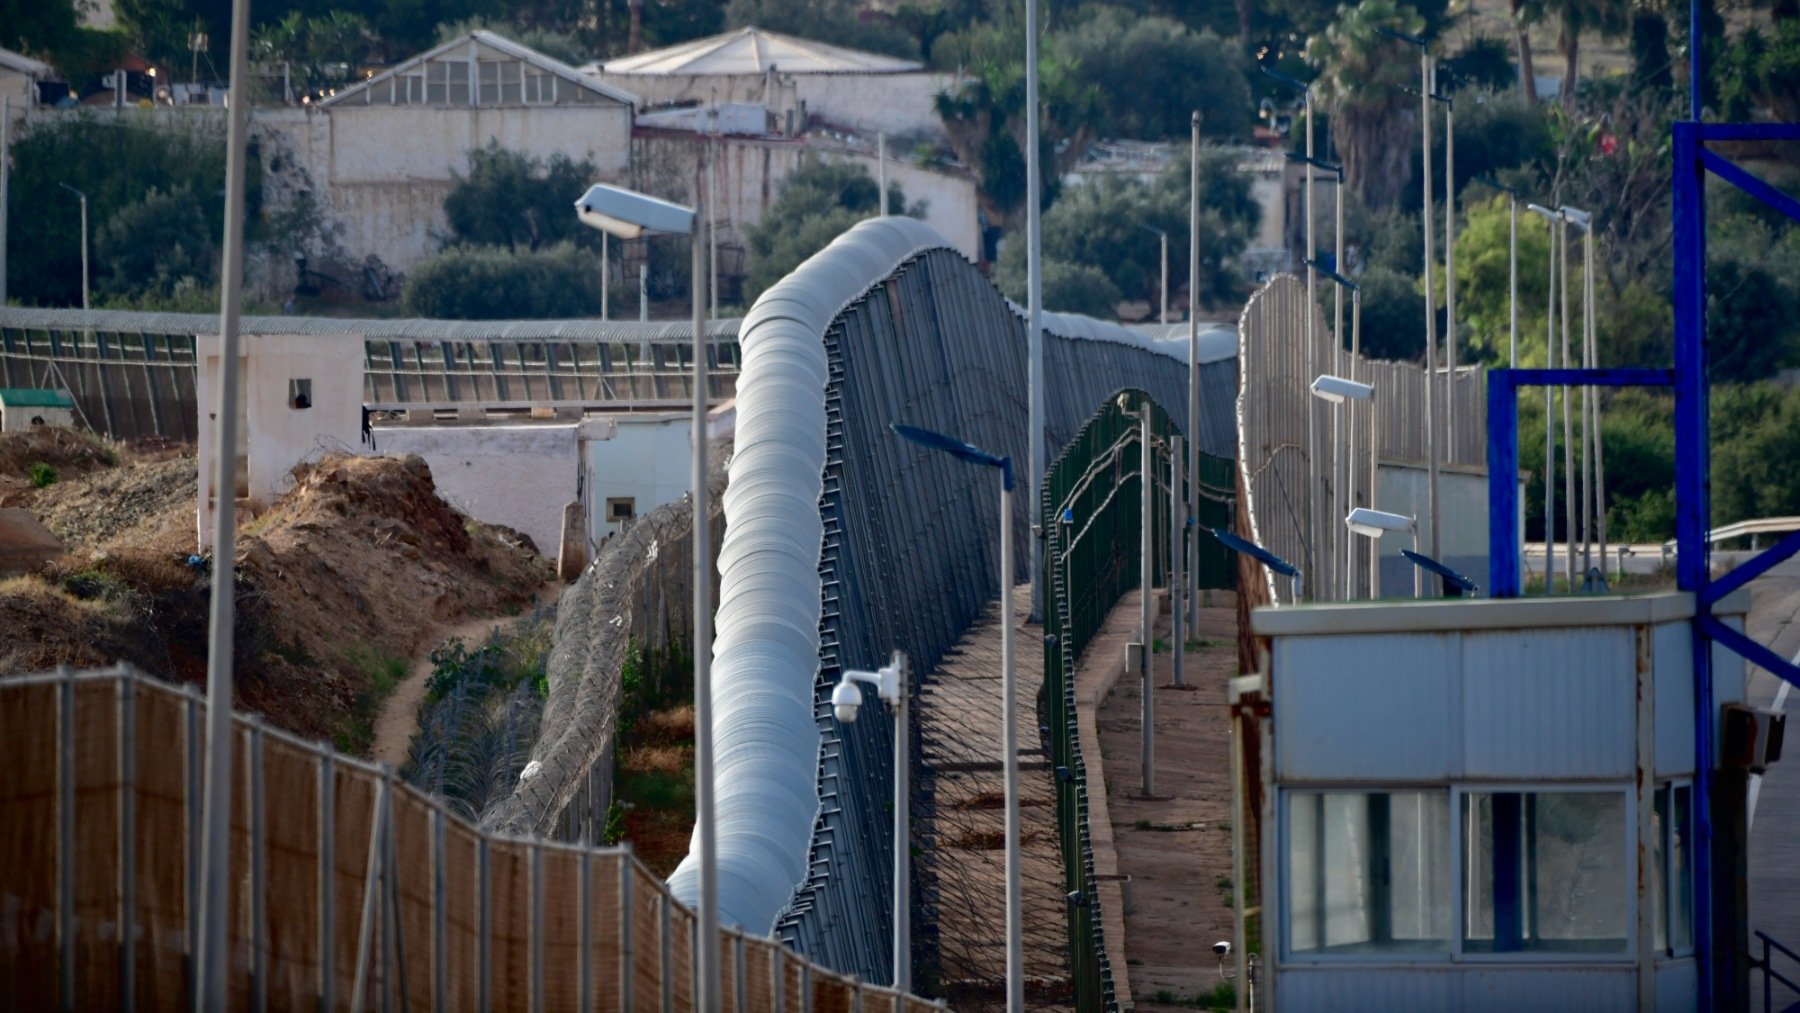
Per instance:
x=349, y=888
x=1275, y=404
x=1091, y=560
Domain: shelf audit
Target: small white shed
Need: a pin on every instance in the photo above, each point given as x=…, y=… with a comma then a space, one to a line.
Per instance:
x=24, y=407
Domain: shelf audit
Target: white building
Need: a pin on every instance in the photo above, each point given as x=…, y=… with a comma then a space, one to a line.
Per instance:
x=19, y=77
x=795, y=79
x=382, y=155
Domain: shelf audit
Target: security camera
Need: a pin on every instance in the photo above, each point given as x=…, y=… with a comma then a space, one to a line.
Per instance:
x=845, y=699
x=1222, y=947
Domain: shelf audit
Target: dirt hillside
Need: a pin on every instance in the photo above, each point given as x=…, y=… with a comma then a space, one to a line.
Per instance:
x=336, y=580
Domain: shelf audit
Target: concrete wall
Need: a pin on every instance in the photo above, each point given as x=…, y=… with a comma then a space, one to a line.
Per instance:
x=382, y=172
x=750, y=171
x=1463, y=505
x=273, y=435
x=518, y=475
x=646, y=458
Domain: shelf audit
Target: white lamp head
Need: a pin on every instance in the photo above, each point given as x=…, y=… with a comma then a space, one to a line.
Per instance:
x=1338, y=389
x=1576, y=217
x=1542, y=210
x=628, y=214
x=846, y=699
x=1375, y=523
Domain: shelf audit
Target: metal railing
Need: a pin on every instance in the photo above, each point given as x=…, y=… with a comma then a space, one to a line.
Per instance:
x=1092, y=520
x=1770, y=976
x=348, y=887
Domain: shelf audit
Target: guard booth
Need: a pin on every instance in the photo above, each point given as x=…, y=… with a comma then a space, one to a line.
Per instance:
x=1477, y=804
x=22, y=408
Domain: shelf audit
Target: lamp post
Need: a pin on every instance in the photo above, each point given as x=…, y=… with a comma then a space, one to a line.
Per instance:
x=1193, y=406
x=84, y=242
x=1593, y=469
x=1551, y=218
x=1015, y=953
x=1146, y=573
x=1315, y=528
x=1449, y=269
x=1340, y=466
x=1375, y=523
x=892, y=684
x=628, y=214
x=1338, y=390
x=1426, y=88
x=1034, y=340
x=1164, y=289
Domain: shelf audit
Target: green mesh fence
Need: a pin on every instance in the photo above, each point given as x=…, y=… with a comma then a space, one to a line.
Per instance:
x=1092, y=513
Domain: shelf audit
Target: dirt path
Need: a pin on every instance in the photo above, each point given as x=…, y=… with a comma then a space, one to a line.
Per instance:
x=399, y=718
x=1175, y=847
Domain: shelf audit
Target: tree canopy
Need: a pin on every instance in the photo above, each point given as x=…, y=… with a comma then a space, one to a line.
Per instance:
x=818, y=201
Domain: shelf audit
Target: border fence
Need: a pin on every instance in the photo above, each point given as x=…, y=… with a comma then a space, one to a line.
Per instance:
x=349, y=889
x=1092, y=520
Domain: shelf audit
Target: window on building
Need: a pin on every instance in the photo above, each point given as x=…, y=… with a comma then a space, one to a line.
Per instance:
x=1368, y=872
x=1544, y=872
x=300, y=393
x=620, y=509
x=1670, y=835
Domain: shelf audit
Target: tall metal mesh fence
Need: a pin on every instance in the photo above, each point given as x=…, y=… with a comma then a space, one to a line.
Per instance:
x=1092, y=519
x=348, y=888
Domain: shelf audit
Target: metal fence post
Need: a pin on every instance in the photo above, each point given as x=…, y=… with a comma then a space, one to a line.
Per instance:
x=65, y=832
x=127, y=836
x=440, y=942
x=627, y=968
x=737, y=970
x=667, y=965
x=191, y=842
x=777, y=978
x=259, y=873
x=327, y=875
x=372, y=874
x=534, y=927
x=483, y=925
x=584, y=939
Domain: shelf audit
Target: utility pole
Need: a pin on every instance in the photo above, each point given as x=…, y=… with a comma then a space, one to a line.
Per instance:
x=1034, y=340
x=1191, y=523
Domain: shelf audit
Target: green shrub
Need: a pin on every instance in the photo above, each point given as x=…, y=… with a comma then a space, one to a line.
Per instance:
x=492, y=283
x=42, y=475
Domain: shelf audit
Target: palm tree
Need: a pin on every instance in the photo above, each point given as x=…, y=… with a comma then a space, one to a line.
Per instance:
x=1522, y=17
x=1607, y=17
x=1362, y=77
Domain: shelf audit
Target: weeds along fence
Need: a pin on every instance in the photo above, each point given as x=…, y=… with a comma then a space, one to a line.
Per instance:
x=1092, y=519
x=349, y=889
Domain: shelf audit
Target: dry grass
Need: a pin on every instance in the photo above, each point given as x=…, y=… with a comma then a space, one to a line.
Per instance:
x=662, y=759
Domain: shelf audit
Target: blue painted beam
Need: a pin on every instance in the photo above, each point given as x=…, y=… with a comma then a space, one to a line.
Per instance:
x=1744, y=131
x=1752, y=651
x=1746, y=181
x=1589, y=377
x=1770, y=558
x=1503, y=487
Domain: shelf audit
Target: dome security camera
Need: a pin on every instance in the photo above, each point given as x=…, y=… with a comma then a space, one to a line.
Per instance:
x=1222, y=947
x=845, y=700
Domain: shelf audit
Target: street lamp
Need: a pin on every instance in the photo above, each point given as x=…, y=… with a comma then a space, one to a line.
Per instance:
x=1338, y=390
x=1015, y=953
x=1455, y=584
x=628, y=214
x=1165, y=269
x=1246, y=547
x=84, y=242
x=1315, y=527
x=890, y=682
x=1346, y=488
x=1375, y=523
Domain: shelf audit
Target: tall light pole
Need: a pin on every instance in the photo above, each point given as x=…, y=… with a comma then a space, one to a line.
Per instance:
x=1551, y=218
x=212, y=989
x=84, y=242
x=1164, y=236
x=1375, y=523
x=1339, y=390
x=1327, y=578
x=1426, y=89
x=1146, y=573
x=628, y=215
x=892, y=684
x=1449, y=272
x=1034, y=297
x=1343, y=466
x=1315, y=528
x=1593, y=470
x=1193, y=406
x=1015, y=951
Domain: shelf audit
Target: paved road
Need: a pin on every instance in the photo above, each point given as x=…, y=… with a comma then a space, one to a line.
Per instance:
x=1775, y=813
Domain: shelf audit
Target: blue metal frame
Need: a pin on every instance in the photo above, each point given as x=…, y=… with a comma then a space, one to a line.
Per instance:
x=1693, y=504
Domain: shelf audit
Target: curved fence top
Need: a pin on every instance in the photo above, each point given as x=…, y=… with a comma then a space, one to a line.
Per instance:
x=134, y=322
x=767, y=651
